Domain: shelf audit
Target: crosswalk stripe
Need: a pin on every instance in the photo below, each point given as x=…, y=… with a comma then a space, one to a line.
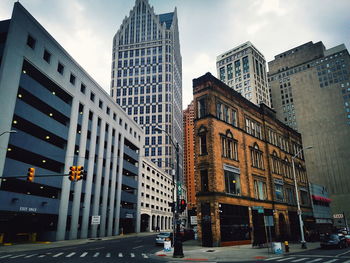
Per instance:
x=32, y=255
x=6, y=256
x=284, y=259
x=314, y=260
x=348, y=261
x=144, y=255
x=120, y=255
x=96, y=254
x=300, y=259
x=17, y=256
x=132, y=255
x=330, y=261
x=108, y=255
x=41, y=256
x=71, y=254
x=273, y=258
x=57, y=255
x=84, y=254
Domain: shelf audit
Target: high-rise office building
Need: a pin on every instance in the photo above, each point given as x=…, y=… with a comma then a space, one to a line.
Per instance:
x=310, y=90
x=188, y=120
x=62, y=118
x=147, y=79
x=243, y=68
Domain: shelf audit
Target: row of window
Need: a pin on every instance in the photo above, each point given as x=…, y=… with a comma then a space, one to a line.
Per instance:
x=31, y=42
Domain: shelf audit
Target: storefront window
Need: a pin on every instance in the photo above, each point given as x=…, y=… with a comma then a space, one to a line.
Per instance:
x=232, y=183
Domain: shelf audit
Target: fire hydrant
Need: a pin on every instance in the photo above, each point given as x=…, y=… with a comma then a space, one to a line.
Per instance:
x=286, y=246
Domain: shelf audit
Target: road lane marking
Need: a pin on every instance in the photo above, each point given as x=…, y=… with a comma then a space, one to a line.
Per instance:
x=108, y=255
x=41, y=256
x=57, y=255
x=343, y=253
x=137, y=247
x=300, y=259
x=330, y=261
x=71, y=254
x=6, y=256
x=120, y=255
x=144, y=255
x=32, y=255
x=314, y=260
x=284, y=259
x=272, y=258
x=132, y=255
x=96, y=254
x=17, y=256
x=84, y=254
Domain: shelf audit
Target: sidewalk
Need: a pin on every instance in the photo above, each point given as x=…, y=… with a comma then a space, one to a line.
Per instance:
x=45, y=245
x=193, y=251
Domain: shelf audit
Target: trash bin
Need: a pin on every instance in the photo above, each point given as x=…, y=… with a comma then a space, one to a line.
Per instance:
x=167, y=244
x=277, y=247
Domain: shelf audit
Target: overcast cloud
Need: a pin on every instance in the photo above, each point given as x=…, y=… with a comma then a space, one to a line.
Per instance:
x=85, y=28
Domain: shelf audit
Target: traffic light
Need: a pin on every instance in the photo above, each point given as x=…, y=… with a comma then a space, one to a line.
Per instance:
x=72, y=173
x=182, y=205
x=80, y=173
x=30, y=174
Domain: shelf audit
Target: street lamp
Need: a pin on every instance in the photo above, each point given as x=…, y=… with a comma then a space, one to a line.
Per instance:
x=303, y=243
x=178, y=251
x=12, y=131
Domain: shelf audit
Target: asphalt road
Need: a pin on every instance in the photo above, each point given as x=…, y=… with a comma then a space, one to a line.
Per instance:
x=312, y=256
x=131, y=249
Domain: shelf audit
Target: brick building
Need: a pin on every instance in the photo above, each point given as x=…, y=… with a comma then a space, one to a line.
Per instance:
x=188, y=125
x=243, y=167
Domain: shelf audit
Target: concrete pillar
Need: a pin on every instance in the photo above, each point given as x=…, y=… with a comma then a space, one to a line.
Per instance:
x=113, y=186
x=64, y=198
x=138, y=209
x=73, y=233
x=119, y=186
x=96, y=205
x=88, y=184
x=106, y=184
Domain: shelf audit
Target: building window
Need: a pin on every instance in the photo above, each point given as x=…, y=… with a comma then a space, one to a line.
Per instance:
x=304, y=197
x=222, y=74
x=202, y=135
x=72, y=79
x=257, y=157
x=232, y=182
x=279, y=192
x=260, y=189
x=229, y=146
x=204, y=181
x=229, y=71
x=202, y=111
x=31, y=42
x=60, y=68
x=275, y=163
x=47, y=56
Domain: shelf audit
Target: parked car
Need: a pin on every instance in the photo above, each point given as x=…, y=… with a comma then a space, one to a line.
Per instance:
x=347, y=237
x=162, y=236
x=333, y=240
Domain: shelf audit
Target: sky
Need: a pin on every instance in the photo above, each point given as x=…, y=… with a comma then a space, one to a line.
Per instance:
x=85, y=29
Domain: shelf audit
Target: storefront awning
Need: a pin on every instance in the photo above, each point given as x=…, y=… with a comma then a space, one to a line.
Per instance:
x=321, y=198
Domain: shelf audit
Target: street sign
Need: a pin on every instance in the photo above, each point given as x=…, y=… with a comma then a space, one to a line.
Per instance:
x=260, y=210
x=193, y=220
x=269, y=220
x=338, y=216
x=95, y=220
x=179, y=189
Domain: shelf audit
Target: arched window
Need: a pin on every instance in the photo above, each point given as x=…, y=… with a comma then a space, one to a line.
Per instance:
x=229, y=146
x=256, y=157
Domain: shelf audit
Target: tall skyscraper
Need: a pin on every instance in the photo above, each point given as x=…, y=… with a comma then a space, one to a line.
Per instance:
x=147, y=79
x=310, y=89
x=243, y=68
x=188, y=118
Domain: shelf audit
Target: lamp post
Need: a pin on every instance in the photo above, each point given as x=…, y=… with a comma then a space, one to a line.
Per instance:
x=303, y=243
x=12, y=131
x=178, y=250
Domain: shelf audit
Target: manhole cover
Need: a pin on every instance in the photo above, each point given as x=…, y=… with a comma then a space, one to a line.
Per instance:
x=211, y=250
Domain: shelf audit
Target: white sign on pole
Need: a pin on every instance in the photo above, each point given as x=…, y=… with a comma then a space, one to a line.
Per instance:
x=95, y=220
x=193, y=220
